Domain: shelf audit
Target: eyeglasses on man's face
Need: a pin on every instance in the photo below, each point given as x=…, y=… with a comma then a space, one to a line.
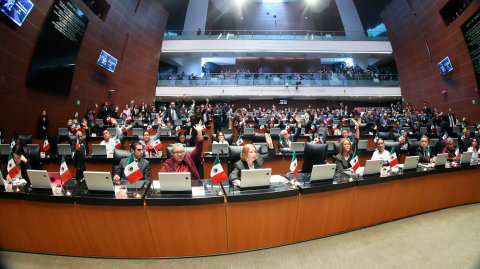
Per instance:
x=179, y=152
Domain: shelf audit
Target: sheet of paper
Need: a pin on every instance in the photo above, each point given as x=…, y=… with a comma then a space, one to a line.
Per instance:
x=121, y=191
x=156, y=184
x=198, y=191
x=360, y=170
x=277, y=179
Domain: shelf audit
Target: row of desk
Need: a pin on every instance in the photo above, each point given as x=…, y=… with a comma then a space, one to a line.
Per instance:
x=169, y=225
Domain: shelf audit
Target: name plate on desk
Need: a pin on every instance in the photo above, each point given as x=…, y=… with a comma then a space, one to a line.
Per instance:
x=93, y=135
x=121, y=191
x=42, y=155
x=57, y=189
x=8, y=186
x=110, y=155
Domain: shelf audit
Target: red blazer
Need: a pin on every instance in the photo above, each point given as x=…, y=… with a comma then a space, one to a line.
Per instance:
x=169, y=166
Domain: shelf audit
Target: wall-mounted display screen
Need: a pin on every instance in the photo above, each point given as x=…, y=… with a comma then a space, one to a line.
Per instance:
x=283, y=102
x=472, y=38
x=445, y=66
x=107, y=61
x=16, y=10
x=56, y=52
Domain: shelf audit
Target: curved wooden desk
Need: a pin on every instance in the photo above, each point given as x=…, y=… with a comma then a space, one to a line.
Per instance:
x=161, y=225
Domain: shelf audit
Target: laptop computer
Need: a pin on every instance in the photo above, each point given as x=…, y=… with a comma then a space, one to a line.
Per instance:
x=323, y=172
x=456, y=129
x=248, y=131
x=362, y=144
x=100, y=182
x=411, y=162
x=330, y=145
x=441, y=159
x=219, y=148
x=39, y=179
x=467, y=157
x=64, y=148
x=302, y=132
x=373, y=167
x=263, y=147
x=274, y=131
x=177, y=122
x=423, y=130
x=63, y=131
x=99, y=150
x=256, y=179
x=175, y=182
x=112, y=130
x=137, y=131
x=455, y=141
x=5, y=149
x=407, y=129
x=298, y=146
x=260, y=122
x=139, y=122
x=164, y=132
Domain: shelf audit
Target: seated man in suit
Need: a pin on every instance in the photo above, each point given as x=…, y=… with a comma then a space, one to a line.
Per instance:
x=405, y=143
x=352, y=137
x=182, y=162
x=422, y=152
x=110, y=142
x=286, y=139
x=143, y=165
x=397, y=128
x=18, y=140
x=385, y=123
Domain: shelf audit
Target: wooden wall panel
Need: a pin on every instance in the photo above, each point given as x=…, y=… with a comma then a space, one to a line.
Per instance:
x=91, y=83
x=420, y=78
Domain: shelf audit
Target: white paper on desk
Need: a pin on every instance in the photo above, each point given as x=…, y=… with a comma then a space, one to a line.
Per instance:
x=360, y=170
x=198, y=191
x=18, y=181
x=156, y=184
x=278, y=179
x=400, y=166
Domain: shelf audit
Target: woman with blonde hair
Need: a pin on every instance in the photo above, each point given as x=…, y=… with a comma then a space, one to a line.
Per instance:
x=345, y=151
x=249, y=159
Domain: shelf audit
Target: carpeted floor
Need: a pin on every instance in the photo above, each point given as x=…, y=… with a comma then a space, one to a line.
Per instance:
x=448, y=238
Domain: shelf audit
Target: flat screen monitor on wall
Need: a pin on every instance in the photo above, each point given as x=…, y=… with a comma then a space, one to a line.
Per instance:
x=55, y=56
x=107, y=61
x=445, y=66
x=283, y=102
x=16, y=10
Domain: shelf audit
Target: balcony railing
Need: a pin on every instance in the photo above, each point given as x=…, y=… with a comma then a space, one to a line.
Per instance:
x=275, y=35
x=254, y=79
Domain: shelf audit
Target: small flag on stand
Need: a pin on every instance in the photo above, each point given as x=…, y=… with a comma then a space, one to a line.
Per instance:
x=12, y=167
x=64, y=173
x=392, y=158
x=240, y=141
x=218, y=174
x=294, y=165
x=354, y=162
x=118, y=143
x=132, y=172
x=46, y=145
x=157, y=144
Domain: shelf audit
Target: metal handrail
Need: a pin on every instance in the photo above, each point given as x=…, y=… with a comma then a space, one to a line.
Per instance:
x=276, y=35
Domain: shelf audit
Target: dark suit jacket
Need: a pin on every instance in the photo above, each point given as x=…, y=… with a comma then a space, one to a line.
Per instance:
x=177, y=111
x=23, y=167
x=103, y=114
x=419, y=153
x=217, y=115
x=292, y=138
x=143, y=164
x=258, y=164
x=341, y=163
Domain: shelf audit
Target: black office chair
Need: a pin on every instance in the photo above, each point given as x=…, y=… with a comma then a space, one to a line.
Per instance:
x=336, y=146
x=396, y=145
x=259, y=138
x=72, y=140
x=188, y=150
x=33, y=154
x=27, y=138
x=118, y=155
x=384, y=135
x=396, y=136
x=234, y=155
x=412, y=146
x=466, y=144
x=314, y=154
x=440, y=145
x=228, y=138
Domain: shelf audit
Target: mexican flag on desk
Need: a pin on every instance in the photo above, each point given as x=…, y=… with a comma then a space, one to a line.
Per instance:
x=294, y=165
x=291, y=119
x=178, y=129
x=204, y=128
x=313, y=128
x=12, y=167
x=217, y=173
x=288, y=128
x=149, y=128
x=262, y=127
x=109, y=119
x=78, y=142
x=375, y=139
x=240, y=141
x=317, y=140
x=157, y=144
x=118, y=143
x=46, y=145
x=375, y=128
x=401, y=139
x=280, y=144
x=354, y=162
x=12, y=144
x=457, y=151
x=64, y=173
x=444, y=137
x=129, y=118
x=428, y=153
x=124, y=129
x=432, y=129
x=132, y=172
x=334, y=127
x=73, y=128
x=392, y=158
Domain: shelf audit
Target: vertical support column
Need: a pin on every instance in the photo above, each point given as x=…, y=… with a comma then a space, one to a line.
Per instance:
x=196, y=15
x=350, y=19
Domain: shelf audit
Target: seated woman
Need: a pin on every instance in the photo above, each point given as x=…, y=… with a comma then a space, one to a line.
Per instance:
x=181, y=138
x=474, y=149
x=183, y=163
x=422, y=151
x=270, y=125
x=380, y=153
x=344, y=156
x=339, y=130
x=220, y=139
x=21, y=162
x=250, y=160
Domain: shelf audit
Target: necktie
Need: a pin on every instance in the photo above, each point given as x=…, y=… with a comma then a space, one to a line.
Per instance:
x=173, y=114
x=424, y=153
